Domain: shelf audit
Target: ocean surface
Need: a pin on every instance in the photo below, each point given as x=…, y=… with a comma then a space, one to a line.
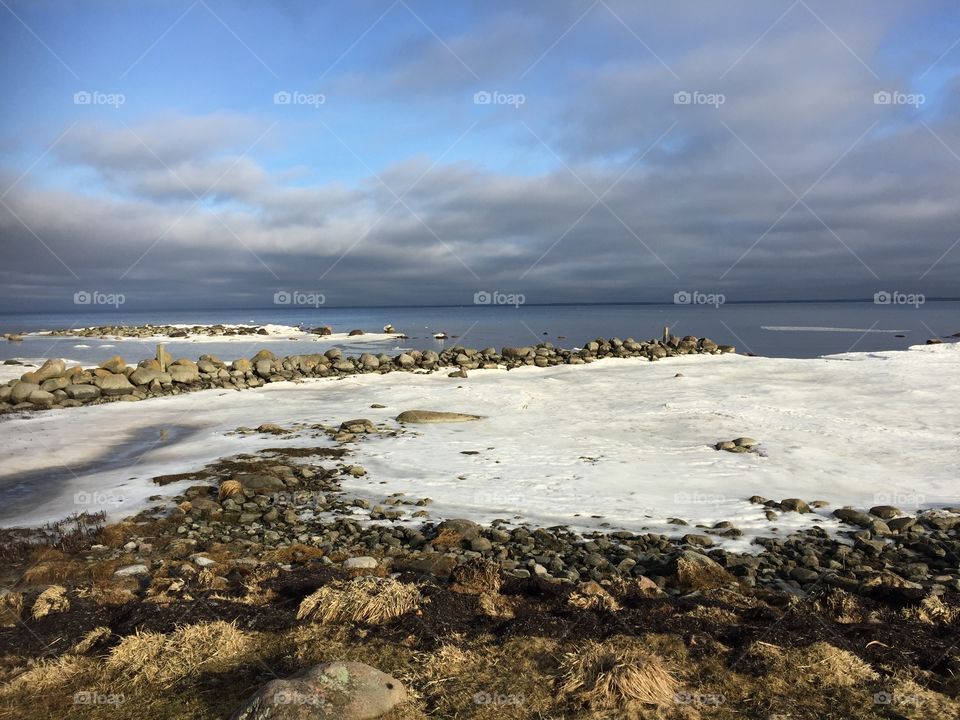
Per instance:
x=797, y=330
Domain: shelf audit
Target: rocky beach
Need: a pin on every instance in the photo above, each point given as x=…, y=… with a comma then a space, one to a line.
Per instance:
x=301, y=530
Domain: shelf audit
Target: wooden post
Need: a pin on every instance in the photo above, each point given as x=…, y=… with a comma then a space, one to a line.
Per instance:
x=666, y=333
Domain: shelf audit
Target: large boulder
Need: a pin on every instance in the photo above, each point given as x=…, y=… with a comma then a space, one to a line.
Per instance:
x=41, y=398
x=434, y=416
x=115, y=385
x=50, y=369
x=334, y=690
x=83, y=392
x=21, y=391
x=116, y=364
x=260, y=483
x=184, y=373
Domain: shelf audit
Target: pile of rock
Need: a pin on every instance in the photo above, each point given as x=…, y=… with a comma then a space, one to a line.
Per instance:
x=739, y=445
x=153, y=331
x=55, y=385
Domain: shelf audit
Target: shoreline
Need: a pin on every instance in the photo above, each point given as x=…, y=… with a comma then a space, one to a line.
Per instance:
x=56, y=385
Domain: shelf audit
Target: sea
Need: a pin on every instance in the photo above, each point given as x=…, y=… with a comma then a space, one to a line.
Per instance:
x=783, y=329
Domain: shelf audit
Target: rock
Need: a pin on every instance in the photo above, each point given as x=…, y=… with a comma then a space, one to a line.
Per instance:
x=795, y=505
x=434, y=416
x=697, y=571
x=116, y=364
x=901, y=524
x=335, y=690
x=243, y=365
x=50, y=369
x=354, y=333
x=467, y=528
x=745, y=442
x=406, y=361
x=145, y=376
x=260, y=483
x=885, y=512
x=184, y=373
x=725, y=445
x=22, y=390
x=113, y=385
x=55, y=384
x=82, y=392
x=360, y=425
x=41, y=398
x=804, y=575
x=853, y=517
x=363, y=562
x=130, y=570
x=698, y=540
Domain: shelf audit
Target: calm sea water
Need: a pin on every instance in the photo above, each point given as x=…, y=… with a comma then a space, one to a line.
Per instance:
x=771, y=329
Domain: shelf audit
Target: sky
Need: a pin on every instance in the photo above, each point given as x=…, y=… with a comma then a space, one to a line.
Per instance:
x=215, y=154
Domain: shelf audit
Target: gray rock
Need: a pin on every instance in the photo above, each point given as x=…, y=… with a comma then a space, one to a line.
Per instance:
x=363, y=562
x=113, y=385
x=129, y=570
x=22, y=390
x=50, y=369
x=795, y=505
x=184, y=373
x=336, y=690
x=853, y=517
x=434, y=416
x=82, y=392
x=885, y=512
x=41, y=398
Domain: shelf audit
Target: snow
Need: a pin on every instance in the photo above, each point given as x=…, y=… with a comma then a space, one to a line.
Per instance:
x=624, y=440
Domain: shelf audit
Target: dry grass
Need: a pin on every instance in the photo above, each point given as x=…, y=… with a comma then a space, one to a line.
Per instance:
x=93, y=637
x=823, y=664
x=149, y=658
x=11, y=607
x=297, y=552
x=52, y=600
x=45, y=675
x=592, y=596
x=447, y=539
x=476, y=577
x=932, y=611
x=371, y=600
x=230, y=488
x=615, y=673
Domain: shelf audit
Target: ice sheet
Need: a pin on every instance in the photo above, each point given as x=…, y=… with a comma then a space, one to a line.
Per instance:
x=623, y=440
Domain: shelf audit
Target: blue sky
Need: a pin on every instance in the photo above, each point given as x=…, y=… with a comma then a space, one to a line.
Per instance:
x=584, y=180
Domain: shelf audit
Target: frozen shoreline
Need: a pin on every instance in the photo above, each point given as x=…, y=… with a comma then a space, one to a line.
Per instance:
x=623, y=439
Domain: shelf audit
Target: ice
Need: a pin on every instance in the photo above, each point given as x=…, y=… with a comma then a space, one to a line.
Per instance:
x=624, y=440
